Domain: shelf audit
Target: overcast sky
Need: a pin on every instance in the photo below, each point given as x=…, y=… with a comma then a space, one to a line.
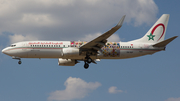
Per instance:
x=148, y=78
x=60, y=19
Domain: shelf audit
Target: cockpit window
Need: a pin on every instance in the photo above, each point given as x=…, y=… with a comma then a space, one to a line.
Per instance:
x=12, y=45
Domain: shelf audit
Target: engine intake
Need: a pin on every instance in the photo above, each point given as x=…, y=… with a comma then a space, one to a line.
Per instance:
x=66, y=62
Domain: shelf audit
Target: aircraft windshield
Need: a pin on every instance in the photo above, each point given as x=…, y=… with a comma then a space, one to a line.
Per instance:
x=12, y=45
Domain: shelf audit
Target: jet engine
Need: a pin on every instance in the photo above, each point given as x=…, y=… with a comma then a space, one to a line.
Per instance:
x=66, y=62
x=69, y=52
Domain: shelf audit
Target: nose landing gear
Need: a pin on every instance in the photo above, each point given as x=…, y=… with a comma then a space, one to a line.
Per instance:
x=17, y=58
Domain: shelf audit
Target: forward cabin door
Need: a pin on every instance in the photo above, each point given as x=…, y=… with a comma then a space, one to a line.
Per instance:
x=23, y=53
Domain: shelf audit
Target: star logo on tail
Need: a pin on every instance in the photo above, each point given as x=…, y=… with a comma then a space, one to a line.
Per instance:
x=151, y=36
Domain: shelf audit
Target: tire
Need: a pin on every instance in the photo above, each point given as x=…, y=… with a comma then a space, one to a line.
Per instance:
x=19, y=62
x=86, y=66
x=89, y=60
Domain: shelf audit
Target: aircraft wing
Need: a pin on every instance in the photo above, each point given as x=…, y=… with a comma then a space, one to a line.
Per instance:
x=100, y=41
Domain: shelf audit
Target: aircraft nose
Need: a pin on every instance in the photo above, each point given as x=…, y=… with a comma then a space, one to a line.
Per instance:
x=7, y=52
x=3, y=51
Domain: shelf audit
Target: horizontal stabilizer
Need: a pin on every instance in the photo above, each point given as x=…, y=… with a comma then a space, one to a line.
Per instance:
x=165, y=42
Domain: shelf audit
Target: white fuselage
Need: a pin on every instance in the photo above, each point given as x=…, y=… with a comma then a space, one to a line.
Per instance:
x=54, y=49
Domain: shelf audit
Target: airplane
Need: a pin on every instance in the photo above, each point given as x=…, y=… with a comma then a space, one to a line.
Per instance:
x=70, y=53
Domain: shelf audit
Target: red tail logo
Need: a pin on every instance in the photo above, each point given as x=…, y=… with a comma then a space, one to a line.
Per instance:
x=157, y=27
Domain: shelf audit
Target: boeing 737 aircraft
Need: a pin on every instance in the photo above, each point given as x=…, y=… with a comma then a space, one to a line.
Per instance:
x=70, y=53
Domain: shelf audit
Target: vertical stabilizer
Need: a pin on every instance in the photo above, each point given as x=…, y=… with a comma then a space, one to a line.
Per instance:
x=157, y=32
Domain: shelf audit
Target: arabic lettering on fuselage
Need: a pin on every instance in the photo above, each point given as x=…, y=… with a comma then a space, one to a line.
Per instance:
x=46, y=43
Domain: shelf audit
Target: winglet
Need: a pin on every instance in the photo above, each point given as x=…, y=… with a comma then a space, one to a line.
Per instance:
x=121, y=21
x=102, y=39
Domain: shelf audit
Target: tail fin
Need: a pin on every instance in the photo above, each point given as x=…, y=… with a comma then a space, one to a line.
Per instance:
x=157, y=32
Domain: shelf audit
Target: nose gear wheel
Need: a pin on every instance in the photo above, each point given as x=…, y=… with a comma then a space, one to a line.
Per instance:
x=19, y=62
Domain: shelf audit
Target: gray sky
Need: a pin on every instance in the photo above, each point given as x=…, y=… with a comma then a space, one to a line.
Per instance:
x=70, y=19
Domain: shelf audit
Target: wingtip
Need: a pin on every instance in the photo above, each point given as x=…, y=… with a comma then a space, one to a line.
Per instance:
x=174, y=37
x=121, y=21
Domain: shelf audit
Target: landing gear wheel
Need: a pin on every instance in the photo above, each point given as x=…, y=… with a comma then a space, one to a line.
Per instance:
x=89, y=60
x=19, y=62
x=86, y=66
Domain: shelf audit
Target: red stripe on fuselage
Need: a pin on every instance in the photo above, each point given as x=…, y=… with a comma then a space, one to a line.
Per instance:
x=61, y=48
x=32, y=48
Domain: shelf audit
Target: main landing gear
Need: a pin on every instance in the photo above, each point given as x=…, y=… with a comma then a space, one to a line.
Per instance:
x=86, y=65
x=87, y=61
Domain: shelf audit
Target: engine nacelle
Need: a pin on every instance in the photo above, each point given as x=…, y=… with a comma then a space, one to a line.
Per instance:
x=71, y=51
x=66, y=62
